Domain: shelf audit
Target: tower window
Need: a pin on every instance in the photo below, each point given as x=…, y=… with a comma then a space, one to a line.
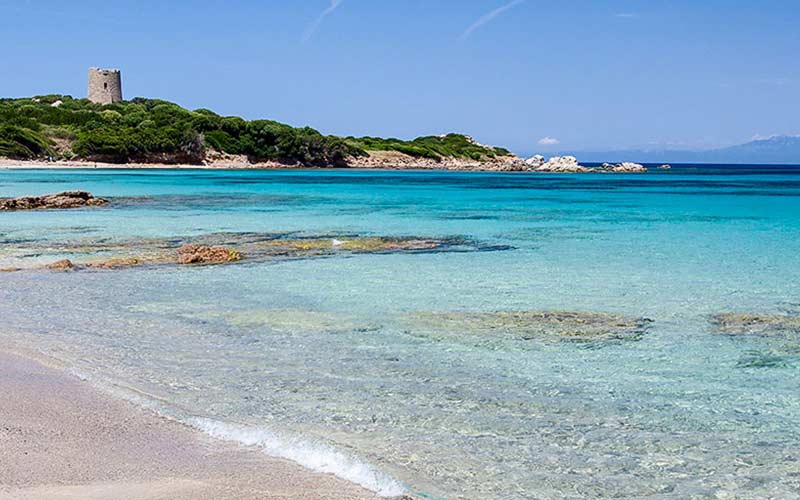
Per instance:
x=105, y=85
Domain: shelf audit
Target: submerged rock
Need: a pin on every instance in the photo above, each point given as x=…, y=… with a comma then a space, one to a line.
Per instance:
x=546, y=325
x=67, y=199
x=778, y=337
x=294, y=320
x=115, y=263
x=200, y=254
x=765, y=325
x=218, y=248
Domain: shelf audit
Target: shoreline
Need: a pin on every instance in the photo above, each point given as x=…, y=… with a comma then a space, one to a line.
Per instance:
x=63, y=438
x=376, y=161
x=454, y=166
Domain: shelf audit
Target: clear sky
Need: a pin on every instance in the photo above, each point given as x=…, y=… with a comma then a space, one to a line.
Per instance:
x=586, y=74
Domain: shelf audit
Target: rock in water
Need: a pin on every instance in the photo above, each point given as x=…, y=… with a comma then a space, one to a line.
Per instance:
x=563, y=164
x=199, y=254
x=535, y=161
x=665, y=167
x=61, y=265
x=67, y=199
x=624, y=167
x=115, y=263
x=627, y=166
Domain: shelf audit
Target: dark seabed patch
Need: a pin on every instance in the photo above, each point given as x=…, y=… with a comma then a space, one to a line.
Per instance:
x=553, y=233
x=773, y=340
x=760, y=324
x=558, y=326
x=215, y=201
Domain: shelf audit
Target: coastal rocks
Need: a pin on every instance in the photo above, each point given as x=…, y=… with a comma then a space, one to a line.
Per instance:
x=67, y=199
x=394, y=160
x=200, y=254
x=510, y=163
x=61, y=265
x=665, y=167
x=115, y=263
x=360, y=245
x=562, y=164
x=762, y=325
x=224, y=248
x=535, y=161
x=624, y=167
x=527, y=325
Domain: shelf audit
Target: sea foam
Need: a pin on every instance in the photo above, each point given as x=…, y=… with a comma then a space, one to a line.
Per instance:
x=315, y=456
x=318, y=457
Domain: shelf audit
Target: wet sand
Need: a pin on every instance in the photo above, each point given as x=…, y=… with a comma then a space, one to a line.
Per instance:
x=60, y=438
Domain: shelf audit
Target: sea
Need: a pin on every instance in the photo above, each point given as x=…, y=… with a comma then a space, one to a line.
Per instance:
x=322, y=359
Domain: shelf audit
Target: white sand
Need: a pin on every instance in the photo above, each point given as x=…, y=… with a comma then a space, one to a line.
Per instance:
x=60, y=438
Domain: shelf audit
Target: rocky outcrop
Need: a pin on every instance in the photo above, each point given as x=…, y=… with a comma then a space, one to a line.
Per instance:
x=67, y=199
x=61, y=265
x=562, y=164
x=115, y=263
x=624, y=167
x=200, y=254
x=665, y=167
x=535, y=161
x=219, y=248
x=394, y=160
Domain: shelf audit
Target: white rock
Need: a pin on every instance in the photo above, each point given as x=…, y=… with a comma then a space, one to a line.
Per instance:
x=629, y=167
x=535, y=161
x=622, y=167
x=57, y=104
x=562, y=164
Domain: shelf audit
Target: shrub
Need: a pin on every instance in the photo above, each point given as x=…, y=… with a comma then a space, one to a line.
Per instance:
x=156, y=130
x=22, y=143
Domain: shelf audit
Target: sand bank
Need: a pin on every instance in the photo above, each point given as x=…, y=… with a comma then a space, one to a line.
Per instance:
x=60, y=438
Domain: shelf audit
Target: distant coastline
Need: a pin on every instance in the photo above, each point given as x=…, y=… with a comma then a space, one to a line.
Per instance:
x=58, y=131
x=374, y=162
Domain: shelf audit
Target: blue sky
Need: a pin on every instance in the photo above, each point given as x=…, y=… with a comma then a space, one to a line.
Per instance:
x=586, y=74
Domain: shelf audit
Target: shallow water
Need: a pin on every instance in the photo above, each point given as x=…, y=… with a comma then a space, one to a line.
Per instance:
x=321, y=360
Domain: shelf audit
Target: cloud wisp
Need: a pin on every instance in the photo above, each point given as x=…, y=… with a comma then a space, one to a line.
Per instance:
x=313, y=27
x=489, y=17
x=548, y=141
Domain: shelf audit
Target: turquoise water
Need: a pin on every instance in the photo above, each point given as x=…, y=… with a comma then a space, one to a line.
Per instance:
x=316, y=359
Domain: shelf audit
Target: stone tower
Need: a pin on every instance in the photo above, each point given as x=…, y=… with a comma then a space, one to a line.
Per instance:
x=105, y=85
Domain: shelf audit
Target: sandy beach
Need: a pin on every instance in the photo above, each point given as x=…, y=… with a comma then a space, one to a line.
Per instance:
x=60, y=438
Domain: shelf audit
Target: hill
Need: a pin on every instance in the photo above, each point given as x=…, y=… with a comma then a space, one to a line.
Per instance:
x=156, y=131
x=775, y=150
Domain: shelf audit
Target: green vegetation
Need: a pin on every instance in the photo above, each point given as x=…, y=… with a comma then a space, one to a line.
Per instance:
x=432, y=147
x=151, y=130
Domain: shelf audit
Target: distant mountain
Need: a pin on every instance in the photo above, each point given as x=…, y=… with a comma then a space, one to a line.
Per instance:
x=778, y=149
